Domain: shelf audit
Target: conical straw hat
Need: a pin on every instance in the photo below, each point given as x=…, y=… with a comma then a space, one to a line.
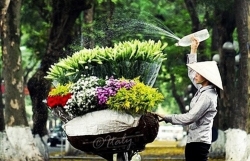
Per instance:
x=209, y=70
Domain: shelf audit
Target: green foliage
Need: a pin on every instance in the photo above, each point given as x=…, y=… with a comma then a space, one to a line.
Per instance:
x=35, y=26
x=102, y=1
x=30, y=62
x=221, y=4
x=138, y=20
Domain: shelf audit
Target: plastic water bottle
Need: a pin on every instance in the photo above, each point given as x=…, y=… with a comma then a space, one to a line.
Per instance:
x=200, y=35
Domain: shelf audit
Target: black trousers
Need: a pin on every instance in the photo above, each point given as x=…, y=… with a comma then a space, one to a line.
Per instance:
x=197, y=151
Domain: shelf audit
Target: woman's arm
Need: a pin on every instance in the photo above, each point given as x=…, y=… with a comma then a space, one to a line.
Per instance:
x=192, y=58
x=194, y=114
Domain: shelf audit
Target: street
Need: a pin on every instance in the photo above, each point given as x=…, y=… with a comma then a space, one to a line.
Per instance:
x=59, y=149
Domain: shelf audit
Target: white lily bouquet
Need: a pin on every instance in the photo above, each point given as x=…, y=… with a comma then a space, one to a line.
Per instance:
x=118, y=78
x=106, y=90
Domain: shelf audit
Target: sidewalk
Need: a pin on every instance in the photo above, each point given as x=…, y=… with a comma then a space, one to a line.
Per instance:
x=156, y=151
x=166, y=150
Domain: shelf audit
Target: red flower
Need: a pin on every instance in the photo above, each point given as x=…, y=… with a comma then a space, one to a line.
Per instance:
x=53, y=101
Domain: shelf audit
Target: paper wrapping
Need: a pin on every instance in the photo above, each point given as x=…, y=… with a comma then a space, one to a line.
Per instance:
x=100, y=122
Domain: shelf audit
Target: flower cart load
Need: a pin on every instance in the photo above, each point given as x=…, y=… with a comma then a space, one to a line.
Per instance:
x=106, y=94
x=122, y=137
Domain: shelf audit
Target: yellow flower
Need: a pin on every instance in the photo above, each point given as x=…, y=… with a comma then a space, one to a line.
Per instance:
x=127, y=105
x=60, y=90
x=138, y=99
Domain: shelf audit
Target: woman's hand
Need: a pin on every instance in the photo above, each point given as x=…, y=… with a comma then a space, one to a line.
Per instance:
x=160, y=116
x=194, y=45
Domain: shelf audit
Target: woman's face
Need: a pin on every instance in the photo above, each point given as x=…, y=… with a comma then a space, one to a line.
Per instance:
x=199, y=79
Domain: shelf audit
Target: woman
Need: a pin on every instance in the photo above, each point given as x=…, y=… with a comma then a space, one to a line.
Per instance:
x=206, y=77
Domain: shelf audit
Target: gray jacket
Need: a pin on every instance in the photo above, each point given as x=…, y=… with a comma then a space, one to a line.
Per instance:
x=202, y=111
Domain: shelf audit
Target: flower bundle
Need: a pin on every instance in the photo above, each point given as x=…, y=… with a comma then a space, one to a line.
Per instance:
x=91, y=93
x=83, y=97
x=111, y=88
x=118, y=78
x=128, y=59
x=136, y=100
x=59, y=96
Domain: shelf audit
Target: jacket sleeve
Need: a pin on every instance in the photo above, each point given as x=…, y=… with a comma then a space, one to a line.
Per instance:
x=194, y=114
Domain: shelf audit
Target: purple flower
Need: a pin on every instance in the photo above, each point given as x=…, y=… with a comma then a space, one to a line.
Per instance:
x=111, y=88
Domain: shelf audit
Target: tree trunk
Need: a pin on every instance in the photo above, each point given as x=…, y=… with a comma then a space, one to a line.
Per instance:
x=178, y=98
x=1, y=113
x=241, y=109
x=3, y=9
x=225, y=25
x=196, y=24
x=12, y=67
x=15, y=116
x=248, y=59
x=64, y=16
x=88, y=19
